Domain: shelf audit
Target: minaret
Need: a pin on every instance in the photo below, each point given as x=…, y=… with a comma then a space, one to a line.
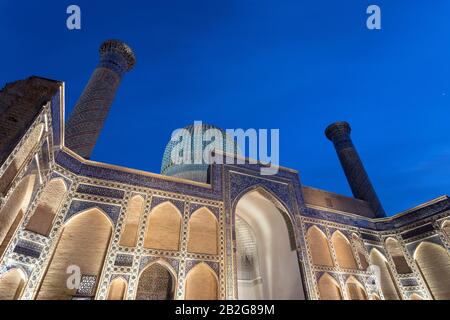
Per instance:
x=339, y=134
x=90, y=112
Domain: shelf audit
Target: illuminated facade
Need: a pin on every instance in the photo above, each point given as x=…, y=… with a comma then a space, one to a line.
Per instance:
x=240, y=235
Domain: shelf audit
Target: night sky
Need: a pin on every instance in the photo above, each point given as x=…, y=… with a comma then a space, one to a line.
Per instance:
x=296, y=66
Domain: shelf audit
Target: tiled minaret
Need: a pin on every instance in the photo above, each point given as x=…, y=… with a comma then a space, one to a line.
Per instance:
x=90, y=112
x=339, y=134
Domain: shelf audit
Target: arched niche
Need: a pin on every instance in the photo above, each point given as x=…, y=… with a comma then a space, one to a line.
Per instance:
x=318, y=245
x=83, y=242
x=386, y=281
x=134, y=210
x=117, y=289
x=201, y=283
x=343, y=250
x=12, y=284
x=52, y=196
x=271, y=226
x=203, y=232
x=329, y=288
x=394, y=249
x=12, y=212
x=360, y=251
x=164, y=225
x=433, y=261
x=157, y=281
x=355, y=289
x=20, y=158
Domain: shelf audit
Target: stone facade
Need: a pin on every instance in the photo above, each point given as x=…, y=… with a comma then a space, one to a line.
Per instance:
x=341, y=251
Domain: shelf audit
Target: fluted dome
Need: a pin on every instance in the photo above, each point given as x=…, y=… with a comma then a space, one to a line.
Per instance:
x=195, y=171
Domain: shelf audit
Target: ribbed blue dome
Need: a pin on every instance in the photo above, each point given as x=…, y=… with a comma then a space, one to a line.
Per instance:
x=196, y=172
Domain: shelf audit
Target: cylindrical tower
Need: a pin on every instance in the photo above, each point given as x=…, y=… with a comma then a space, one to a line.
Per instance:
x=90, y=112
x=339, y=134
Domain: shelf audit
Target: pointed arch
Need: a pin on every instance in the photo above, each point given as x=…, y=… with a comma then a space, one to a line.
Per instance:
x=83, y=242
x=203, y=232
x=355, y=289
x=387, y=284
x=163, y=230
x=13, y=211
x=20, y=158
x=12, y=284
x=117, y=289
x=360, y=251
x=394, y=249
x=329, y=288
x=134, y=210
x=157, y=281
x=280, y=274
x=433, y=261
x=318, y=244
x=201, y=283
x=52, y=196
x=343, y=249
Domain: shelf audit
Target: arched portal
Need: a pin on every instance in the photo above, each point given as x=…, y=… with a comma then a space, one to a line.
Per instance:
x=355, y=289
x=117, y=289
x=318, y=244
x=12, y=213
x=156, y=282
x=12, y=283
x=83, y=242
x=280, y=276
x=201, y=283
x=329, y=288
x=344, y=252
x=386, y=281
x=42, y=219
x=433, y=261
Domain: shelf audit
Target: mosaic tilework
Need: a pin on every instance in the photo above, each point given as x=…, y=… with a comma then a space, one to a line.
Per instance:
x=123, y=260
x=100, y=191
x=145, y=181
x=28, y=248
x=192, y=263
x=239, y=183
x=418, y=231
x=77, y=206
x=158, y=200
x=87, y=285
x=195, y=206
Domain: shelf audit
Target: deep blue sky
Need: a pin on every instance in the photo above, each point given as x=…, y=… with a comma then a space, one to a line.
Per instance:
x=293, y=65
